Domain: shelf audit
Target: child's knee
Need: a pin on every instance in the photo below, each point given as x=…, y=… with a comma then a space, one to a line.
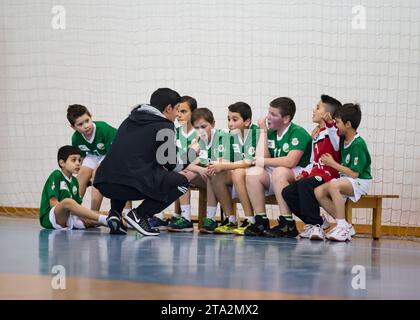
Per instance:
x=251, y=179
x=280, y=174
x=68, y=203
x=333, y=187
x=238, y=175
x=320, y=192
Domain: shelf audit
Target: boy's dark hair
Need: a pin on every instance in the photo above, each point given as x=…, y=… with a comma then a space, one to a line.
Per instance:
x=242, y=108
x=332, y=103
x=65, y=152
x=75, y=111
x=202, y=113
x=192, y=103
x=350, y=112
x=286, y=106
x=163, y=97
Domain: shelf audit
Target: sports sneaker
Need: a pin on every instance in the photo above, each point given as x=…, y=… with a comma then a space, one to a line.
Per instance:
x=325, y=222
x=258, y=227
x=208, y=226
x=285, y=228
x=141, y=224
x=241, y=229
x=340, y=233
x=226, y=228
x=292, y=231
x=174, y=219
x=352, y=230
x=306, y=233
x=181, y=225
x=158, y=223
x=115, y=223
x=317, y=233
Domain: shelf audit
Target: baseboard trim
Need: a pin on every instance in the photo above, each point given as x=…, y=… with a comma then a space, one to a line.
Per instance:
x=387, y=230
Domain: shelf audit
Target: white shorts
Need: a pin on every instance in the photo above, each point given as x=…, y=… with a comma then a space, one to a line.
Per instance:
x=73, y=222
x=296, y=171
x=360, y=187
x=92, y=161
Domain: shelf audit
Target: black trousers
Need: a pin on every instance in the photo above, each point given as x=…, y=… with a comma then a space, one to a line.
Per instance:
x=175, y=183
x=300, y=197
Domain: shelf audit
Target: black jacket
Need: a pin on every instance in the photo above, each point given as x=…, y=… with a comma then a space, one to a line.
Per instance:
x=132, y=159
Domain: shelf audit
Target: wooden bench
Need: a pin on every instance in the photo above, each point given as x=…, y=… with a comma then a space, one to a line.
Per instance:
x=202, y=204
x=373, y=202
x=370, y=202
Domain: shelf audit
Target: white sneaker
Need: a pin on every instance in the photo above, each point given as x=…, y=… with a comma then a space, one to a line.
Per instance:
x=306, y=233
x=317, y=233
x=340, y=233
x=325, y=222
x=352, y=230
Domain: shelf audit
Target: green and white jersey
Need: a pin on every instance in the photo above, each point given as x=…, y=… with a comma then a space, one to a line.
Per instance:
x=240, y=149
x=356, y=156
x=99, y=143
x=183, y=140
x=60, y=187
x=293, y=138
x=215, y=149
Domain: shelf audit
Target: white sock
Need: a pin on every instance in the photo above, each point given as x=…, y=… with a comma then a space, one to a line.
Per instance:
x=232, y=219
x=186, y=211
x=160, y=215
x=211, y=213
x=251, y=219
x=341, y=223
x=102, y=220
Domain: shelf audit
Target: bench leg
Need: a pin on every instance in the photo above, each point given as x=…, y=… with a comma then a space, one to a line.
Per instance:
x=177, y=208
x=377, y=219
x=202, y=206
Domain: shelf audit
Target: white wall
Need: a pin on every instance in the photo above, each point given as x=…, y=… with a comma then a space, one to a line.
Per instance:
x=113, y=56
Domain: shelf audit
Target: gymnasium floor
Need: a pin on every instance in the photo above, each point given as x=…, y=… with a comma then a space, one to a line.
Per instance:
x=194, y=266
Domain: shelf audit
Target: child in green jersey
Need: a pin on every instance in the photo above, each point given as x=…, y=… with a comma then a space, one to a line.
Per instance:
x=282, y=153
x=228, y=177
x=355, y=177
x=211, y=149
x=185, y=134
x=94, y=139
x=60, y=201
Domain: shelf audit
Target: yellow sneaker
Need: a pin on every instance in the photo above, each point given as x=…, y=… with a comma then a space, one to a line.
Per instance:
x=241, y=229
x=226, y=228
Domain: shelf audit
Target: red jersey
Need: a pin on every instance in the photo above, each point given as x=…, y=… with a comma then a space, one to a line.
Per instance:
x=327, y=141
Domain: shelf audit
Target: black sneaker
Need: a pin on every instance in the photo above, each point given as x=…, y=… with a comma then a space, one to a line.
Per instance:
x=140, y=223
x=258, y=227
x=158, y=223
x=115, y=223
x=285, y=228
